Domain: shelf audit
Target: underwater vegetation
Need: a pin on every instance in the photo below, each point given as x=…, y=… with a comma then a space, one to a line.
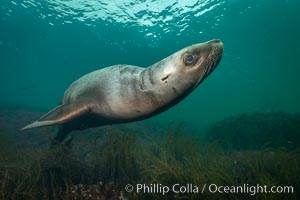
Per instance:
x=98, y=163
x=257, y=131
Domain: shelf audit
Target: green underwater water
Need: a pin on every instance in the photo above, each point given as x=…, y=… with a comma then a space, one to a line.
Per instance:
x=46, y=45
x=246, y=110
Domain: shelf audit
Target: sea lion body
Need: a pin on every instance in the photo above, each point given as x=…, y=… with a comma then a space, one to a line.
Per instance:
x=126, y=93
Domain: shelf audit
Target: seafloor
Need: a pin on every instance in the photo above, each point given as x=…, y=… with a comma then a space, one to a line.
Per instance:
x=257, y=148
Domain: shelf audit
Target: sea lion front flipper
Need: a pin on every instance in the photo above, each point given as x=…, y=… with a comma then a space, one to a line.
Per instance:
x=61, y=114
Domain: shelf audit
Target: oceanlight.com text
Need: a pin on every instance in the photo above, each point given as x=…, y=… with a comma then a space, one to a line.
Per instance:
x=211, y=188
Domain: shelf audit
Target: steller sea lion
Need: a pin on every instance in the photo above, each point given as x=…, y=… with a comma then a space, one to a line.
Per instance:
x=126, y=93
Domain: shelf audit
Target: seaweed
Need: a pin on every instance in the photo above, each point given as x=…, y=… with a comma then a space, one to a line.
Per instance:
x=98, y=163
x=257, y=131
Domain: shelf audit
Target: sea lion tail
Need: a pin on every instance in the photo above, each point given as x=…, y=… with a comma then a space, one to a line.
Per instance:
x=60, y=115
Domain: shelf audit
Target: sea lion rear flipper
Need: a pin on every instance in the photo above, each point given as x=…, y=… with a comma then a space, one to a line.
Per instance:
x=60, y=115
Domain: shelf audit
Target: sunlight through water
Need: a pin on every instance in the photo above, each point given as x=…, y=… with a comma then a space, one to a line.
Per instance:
x=168, y=16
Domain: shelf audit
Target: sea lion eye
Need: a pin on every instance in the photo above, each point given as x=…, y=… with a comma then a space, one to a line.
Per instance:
x=189, y=59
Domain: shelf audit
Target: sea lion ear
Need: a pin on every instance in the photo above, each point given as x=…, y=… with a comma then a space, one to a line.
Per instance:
x=61, y=114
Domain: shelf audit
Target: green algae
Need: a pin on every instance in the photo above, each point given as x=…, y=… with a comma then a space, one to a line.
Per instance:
x=99, y=163
x=257, y=131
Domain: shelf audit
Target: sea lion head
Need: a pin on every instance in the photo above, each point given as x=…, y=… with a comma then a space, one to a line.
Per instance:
x=198, y=61
x=184, y=70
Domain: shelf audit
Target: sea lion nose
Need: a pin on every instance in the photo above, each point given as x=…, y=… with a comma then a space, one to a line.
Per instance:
x=217, y=44
x=216, y=41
